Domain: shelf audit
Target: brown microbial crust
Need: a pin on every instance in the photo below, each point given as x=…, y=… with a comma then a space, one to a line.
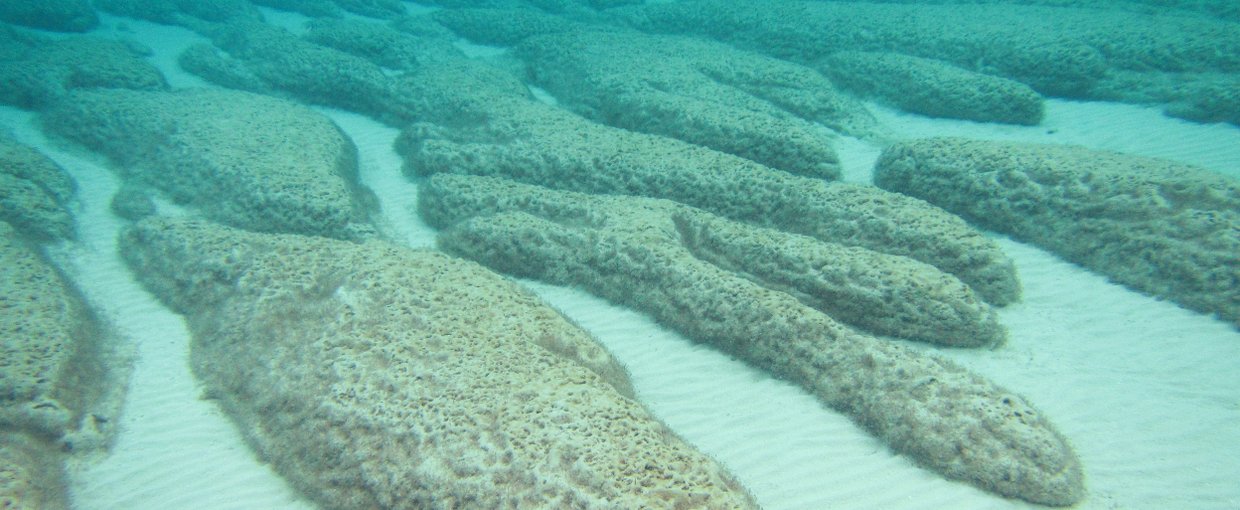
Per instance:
x=372, y=375
x=1161, y=227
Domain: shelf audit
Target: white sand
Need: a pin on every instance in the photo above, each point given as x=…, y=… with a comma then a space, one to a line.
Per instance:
x=1148, y=393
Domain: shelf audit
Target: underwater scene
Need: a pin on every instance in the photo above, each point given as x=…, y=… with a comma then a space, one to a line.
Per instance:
x=619, y=254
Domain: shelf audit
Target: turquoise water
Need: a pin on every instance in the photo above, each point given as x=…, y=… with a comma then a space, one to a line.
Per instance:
x=780, y=254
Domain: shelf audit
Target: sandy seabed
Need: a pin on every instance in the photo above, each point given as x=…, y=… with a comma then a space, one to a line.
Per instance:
x=1148, y=393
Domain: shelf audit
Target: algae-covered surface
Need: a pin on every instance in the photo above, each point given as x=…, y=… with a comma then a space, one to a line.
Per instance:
x=620, y=254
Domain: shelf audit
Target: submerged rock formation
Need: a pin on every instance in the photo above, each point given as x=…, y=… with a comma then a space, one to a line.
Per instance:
x=547, y=146
x=34, y=192
x=193, y=14
x=885, y=294
x=477, y=119
x=251, y=161
x=372, y=375
x=628, y=250
x=501, y=27
x=932, y=87
x=62, y=372
x=544, y=145
x=59, y=15
x=1165, y=228
x=59, y=378
x=1058, y=51
x=31, y=474
x=36, y=71
x=702, y=92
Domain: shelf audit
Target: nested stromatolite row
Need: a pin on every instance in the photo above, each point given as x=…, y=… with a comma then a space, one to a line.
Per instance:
x=885, y=294
x=372, y=375
x=694, y=90
x=60, y=15
x=478, y=119
x=645, y=254
x=55, y=378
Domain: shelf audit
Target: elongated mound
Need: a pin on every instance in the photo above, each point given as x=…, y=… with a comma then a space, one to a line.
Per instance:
x=34, y=192
x=882, y=293
x=251, y=161
x=1158, y=226
x=702, y=92
x=374, y=376
x=933, y=87
x=35, y=70
x=59, y=378
x=547, y=146
x=944, y=417
x=463, y=116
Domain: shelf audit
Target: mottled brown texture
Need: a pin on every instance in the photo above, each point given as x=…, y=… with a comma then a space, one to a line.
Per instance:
x=881, y=293
x=252, y=161
x=1165, y=228
x=372, y=375
x=59, y=380
x=702, y=92
x=942, y=416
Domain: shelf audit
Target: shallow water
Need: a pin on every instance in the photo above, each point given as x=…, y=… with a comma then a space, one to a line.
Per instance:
x=1146, y=392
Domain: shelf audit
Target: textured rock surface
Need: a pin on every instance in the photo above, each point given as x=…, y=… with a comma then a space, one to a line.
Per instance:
x=484, y=130
x=1226, y=9
x=501, y=27
x=886, y=294
x=34, y=192
x=380, y=44
x=382, y=9
x=58, y=380
x=880, y=293
x=1057, y=51
x=1195, y=96
x=1211, y=99
x=944, y=417
x=251, y=161
x=31, y=475
x=481, y=120
x=575, y=7
x=312, y=8
x=265, y=56
x=933, y=88
x=194, y=14
x=35, y=71
x=376, y=376
x=1165, y=228
x=60, y=15
x=702, y=92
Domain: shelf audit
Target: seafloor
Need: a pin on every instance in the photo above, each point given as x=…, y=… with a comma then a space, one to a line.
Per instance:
x=619, y=254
